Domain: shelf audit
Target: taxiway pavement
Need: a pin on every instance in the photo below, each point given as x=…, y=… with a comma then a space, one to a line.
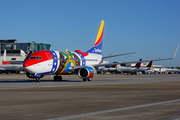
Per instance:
x=106, y=97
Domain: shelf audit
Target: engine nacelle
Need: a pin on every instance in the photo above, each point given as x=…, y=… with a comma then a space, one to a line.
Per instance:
x=86, y=72
x=29, y=75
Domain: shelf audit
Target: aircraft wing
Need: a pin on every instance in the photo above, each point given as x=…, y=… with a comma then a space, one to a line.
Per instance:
x=110, y=64
x=137, y=61
x=11, y=67
x=79, y=67
x=118, y=55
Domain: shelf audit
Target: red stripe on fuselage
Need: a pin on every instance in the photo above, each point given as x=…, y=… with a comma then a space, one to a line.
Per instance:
x=45, y=55
x=84, y=54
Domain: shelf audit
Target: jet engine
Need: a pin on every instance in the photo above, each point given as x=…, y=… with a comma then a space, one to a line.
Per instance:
x=29, y=75
x=86, y=72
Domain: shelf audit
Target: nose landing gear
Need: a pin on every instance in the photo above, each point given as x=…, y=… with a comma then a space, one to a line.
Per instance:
x=38, y=80
x=87, y=79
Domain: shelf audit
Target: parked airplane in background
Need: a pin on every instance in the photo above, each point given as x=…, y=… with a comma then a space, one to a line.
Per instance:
x=148, y=67
x=7, y=66
x=130, y=70
x=59, y=63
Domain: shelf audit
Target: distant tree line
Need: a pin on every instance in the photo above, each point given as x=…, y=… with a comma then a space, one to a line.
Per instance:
x=174, y=67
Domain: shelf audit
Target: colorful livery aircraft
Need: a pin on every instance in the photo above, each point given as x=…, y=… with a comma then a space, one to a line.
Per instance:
x=59, y=63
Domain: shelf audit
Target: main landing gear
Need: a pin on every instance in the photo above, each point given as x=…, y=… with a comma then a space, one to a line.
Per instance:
x=87, y=79
x=58, y=78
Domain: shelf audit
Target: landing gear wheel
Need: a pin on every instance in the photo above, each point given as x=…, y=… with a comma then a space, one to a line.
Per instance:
x=60, y=78
x=57, y=78
x=38, y=80
x=89, y=79
x=84, y=79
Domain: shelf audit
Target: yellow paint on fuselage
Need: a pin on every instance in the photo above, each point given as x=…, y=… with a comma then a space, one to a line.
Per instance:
x=69, y=60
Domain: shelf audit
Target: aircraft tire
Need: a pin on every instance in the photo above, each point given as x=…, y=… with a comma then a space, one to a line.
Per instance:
x=60, y=78
x=55, y=78
x=89, y=79
x=84, y=79
x=38, y=80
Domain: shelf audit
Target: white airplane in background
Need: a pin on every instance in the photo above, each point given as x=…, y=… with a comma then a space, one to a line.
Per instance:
x=7, y=66
x=129, y=70
x=148, y=67
x=120, y=68
x=59, y=63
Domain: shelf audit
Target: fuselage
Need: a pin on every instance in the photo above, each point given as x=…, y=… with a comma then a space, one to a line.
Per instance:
x=126, y=69
x=59, y=62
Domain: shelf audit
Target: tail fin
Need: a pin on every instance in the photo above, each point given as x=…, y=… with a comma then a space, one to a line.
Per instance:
x=4, y=62
x=97, y=48
x=138, y=65
x=150, y=64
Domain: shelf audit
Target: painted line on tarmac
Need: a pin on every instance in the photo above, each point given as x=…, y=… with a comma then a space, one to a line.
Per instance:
x=177, y=119
x=113, y=110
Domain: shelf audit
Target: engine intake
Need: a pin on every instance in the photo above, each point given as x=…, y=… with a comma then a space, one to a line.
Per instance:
x=86, y=72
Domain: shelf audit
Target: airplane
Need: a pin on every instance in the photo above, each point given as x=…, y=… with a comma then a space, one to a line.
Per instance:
x=58, y=63
x=120, y=68
x=129, y=70
x=7, y=66
x=11, y=65
x=148, y=67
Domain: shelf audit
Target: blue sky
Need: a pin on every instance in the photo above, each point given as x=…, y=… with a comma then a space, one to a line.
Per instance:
x=149, y=27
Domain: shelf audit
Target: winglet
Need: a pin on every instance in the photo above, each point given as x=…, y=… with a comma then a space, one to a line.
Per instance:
x=4, y=56
x=4, y=62
x=175, y=52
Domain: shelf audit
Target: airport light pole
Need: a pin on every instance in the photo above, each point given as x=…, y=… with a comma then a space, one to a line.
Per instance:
x=110, y=58
x=130, y=57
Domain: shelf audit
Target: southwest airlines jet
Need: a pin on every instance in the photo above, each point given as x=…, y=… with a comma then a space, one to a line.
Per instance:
x=59, y=63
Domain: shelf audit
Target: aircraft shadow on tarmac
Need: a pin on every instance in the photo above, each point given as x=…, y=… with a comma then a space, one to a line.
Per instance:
x=33, y=81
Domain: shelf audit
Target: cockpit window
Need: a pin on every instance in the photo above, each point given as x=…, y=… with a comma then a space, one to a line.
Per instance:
x=37, y=58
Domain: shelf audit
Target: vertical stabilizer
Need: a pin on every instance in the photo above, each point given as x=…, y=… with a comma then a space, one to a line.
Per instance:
x=97, y=48
x=150, y=64
x=138, y=65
